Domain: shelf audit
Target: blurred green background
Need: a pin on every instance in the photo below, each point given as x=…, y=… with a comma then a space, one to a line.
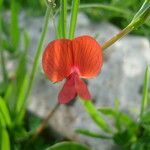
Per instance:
x=129, y=7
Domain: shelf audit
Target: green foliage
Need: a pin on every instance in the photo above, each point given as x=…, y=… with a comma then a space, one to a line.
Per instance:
x=1, y=1
x=14, y=25
x=4, y=139
x=63, y=15
x=126, y=132
x=96, y=116
x=74, y=13
x=141, y=15
x=10, y=32
x=92, y=134
x=5, y=112
x=67, y=146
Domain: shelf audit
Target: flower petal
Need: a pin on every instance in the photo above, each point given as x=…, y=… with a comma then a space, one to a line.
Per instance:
x=87, y=56
x=57, y=59
x=68, y=91
x=82, y=89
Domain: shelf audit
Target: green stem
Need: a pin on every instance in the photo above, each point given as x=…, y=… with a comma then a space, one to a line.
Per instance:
x=63, y=14
x=74, y=13
x=95, y=115
x=117, y=37
x=144, y=101
x=4, y=71
x=39, y=49
x=139, y=19
x=41, y=127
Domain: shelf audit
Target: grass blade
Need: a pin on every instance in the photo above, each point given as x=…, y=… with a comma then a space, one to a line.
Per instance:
x=59, y=28
x=14, y=26
x=67, y=146
x=92, y=134
x=39, y=49
x=4, y=139
x=145, y=92
x=21, y=98
x=22, y=65
x=106, y=7
x=74, y=13
x=5, y=112
x=1, y=2
x=95, y=115
x=63, y=15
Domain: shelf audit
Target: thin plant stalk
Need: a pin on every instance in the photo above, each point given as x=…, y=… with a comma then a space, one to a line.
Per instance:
x=144, y=101
x=115, y=38
x=74, y=13
x=3, y=65
x=44, y=122
x=39, y=49
x=63, y=15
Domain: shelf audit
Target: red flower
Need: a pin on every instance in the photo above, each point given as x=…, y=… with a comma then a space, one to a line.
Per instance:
x=72, y=59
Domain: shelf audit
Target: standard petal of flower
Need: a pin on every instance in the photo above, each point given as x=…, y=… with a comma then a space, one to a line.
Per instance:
x=87, y=56
x=57, y=59
x=68, y=91
x=82, y=89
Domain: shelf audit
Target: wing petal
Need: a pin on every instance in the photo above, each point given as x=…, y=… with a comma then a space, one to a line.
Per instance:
x=87, y=56
x=57, y=59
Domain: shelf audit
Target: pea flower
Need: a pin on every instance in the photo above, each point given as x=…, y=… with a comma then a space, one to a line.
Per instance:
x=72, y=60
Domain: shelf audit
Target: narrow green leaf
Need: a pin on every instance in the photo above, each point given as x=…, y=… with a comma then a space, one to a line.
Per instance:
x=67, y=146
x=39, y=49
x=3, y=66
x=144, y=8
x=26, y=40
x=63, y=15
x=5, y=112
x=22, y=65
x=20, y=103
x=145, y=92
x=74, y=13
x=141, y=15
x=1, y=2
x=3, y=87
x=4, y=139
x=120, y=118
x=2, y=121
x=107, y=111
x=8, y=92
x=59, y=28
x=92, y=134
x=20, y=106
x=14, y=26
x=20, y=116
x=104, y=6
x=96, y=116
